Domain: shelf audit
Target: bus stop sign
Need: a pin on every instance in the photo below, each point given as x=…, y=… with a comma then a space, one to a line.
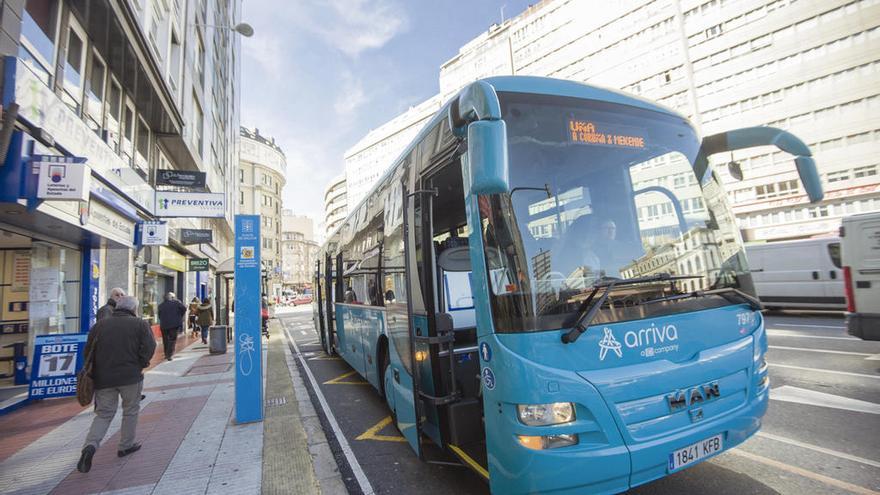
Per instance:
x=248, y=346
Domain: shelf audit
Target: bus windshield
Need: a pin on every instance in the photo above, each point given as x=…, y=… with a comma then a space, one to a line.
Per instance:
x=602, y=191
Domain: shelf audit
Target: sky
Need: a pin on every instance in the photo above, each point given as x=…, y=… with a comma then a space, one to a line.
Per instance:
x=318, y=75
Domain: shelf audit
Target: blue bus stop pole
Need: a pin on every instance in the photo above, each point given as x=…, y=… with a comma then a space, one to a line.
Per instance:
x=248, y=346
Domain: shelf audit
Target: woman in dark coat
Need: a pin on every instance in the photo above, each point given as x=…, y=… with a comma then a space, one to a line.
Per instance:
x=194, y=315
x=205, y=318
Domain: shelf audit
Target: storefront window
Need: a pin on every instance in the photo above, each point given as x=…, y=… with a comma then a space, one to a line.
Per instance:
x=15, y=261
x=54, y=289
x=155, y=287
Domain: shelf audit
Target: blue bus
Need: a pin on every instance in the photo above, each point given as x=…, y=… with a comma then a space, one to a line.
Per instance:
x=549, y=285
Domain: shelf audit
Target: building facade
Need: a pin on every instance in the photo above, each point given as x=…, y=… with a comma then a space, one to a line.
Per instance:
x=110, y=93
x=262, y=174
x=298, y=251
x=335, y=203
x=366, y=161
x=811, y=68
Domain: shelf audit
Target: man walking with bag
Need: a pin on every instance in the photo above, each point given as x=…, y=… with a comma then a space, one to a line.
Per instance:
x=120, y=346
x=171, y=313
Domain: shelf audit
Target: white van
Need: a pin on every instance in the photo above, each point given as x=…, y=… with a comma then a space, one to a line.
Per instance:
x=804, y=274
x=861, y=264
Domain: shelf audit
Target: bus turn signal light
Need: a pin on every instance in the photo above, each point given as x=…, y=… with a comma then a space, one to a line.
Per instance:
x=547, y=442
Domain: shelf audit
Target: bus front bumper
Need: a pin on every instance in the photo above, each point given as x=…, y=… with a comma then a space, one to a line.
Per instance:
x=617, y=468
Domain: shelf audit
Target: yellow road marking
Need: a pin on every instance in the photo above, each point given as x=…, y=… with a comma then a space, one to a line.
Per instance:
x=805, y=473
x=472, y=463
x=373, y=433
x=337, y=380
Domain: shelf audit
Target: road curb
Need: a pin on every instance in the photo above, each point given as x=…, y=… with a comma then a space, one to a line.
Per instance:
x=326, y=468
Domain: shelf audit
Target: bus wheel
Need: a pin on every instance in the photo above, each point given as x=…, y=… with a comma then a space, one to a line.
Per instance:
x=384, y=366
x=384, y=371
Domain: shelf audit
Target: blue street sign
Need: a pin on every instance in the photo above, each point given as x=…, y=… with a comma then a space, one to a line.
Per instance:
x=57, y=359
x=248, y=324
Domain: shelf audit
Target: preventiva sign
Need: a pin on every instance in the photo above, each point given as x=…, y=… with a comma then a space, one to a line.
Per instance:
x=57, y=359
x=193, y=205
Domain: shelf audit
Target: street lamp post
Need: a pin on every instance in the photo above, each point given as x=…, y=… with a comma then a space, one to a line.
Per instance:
x=241, y=28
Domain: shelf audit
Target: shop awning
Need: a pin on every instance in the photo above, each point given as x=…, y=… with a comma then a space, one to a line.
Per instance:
x=226, y=267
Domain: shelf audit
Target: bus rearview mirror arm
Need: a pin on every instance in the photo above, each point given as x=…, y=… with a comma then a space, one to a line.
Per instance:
x=749, y=137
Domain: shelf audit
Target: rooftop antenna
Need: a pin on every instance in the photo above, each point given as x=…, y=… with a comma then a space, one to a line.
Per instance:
x=502, y=13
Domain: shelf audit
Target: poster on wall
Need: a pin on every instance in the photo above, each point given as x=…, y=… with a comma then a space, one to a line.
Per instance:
x=21, y=271
x=45, y=288
x=57, y=359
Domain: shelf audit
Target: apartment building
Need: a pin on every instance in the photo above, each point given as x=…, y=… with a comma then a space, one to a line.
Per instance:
x=262, y=174
x=808, y=67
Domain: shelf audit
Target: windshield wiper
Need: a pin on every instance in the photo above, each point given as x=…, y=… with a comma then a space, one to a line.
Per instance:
x=587, y=311
x=753, y=302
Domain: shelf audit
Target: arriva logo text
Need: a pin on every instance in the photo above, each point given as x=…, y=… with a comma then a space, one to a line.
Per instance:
x=652, y=335
x=651, y=341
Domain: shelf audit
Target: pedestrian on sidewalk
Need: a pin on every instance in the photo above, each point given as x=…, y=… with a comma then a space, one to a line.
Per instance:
x=206, y=318
x=171, y=313
x=194, y=315
x=106, y=310
x=123, y=346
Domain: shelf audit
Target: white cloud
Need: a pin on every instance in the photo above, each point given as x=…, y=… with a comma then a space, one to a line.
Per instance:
x=266, y=52
x=350, y=95
x=354, y=26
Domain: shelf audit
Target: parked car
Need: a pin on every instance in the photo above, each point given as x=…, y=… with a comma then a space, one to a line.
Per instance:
x=860, y=248
x=805, y=274
x=302, y=299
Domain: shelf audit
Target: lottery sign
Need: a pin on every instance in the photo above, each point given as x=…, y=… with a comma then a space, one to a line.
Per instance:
x=57, y=359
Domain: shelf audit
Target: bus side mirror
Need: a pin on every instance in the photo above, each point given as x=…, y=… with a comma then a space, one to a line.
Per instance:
x=749, y=137
x=487, y=156
x=735, y=170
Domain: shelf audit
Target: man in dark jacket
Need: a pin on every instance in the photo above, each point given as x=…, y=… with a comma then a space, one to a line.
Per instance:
x=171, y=313
x=123, y=346
x=107, y=309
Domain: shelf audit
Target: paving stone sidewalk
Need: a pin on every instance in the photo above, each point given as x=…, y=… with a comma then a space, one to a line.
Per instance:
x=190, y=441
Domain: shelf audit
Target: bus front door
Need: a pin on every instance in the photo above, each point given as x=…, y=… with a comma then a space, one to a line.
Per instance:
x=396, y=363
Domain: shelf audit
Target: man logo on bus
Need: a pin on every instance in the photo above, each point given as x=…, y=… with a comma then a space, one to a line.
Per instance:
x=608, y=342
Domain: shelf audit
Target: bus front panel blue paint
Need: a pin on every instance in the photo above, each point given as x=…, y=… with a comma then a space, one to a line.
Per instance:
x=625, y=426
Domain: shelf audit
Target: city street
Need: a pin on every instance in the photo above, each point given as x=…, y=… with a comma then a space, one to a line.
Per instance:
x=819, y=436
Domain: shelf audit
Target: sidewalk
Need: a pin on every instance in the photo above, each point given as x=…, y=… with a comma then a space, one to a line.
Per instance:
x=186, y=426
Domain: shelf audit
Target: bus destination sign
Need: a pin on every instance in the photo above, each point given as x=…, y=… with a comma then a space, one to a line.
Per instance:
x=586, y=132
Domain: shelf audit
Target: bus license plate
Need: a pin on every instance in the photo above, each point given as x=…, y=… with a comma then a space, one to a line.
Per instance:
x=686, y=456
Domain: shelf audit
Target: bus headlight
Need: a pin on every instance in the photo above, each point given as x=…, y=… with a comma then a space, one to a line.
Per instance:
x=547, y=442
x=545, y=414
